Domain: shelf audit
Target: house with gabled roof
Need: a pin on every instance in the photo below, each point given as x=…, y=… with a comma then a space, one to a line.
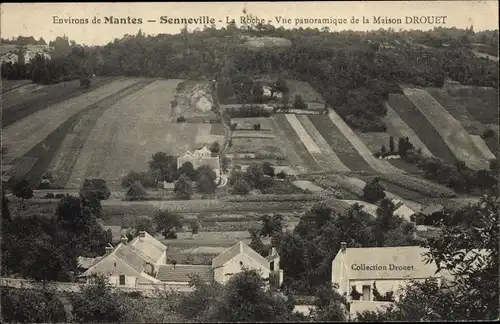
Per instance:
x=142, y=263
x=198, y=158
x=130, y=263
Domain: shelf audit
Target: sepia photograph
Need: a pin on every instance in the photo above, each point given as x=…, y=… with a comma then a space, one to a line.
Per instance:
x=305, y=161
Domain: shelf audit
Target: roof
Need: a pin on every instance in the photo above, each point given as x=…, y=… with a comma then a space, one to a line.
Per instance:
x=185, y=154
x=236, y=249
x=182, y=272
x=404, y=212
x=130, y=256
x=135, y=253
x=379, y=263
x=432, y=208
x=144, y=278
x=148, y=246
x=204, y=149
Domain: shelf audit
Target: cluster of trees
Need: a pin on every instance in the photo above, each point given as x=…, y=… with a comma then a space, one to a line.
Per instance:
x=44, y=248
x=203, y=176
x=307, y=253
x=256, y=176
x=456, y=176
x=404, y=146
x=68, y=61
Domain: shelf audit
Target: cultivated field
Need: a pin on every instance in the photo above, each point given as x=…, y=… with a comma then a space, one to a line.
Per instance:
x=472, y=125
x=398, y=128
x=450, y=130
x=339, y=144
x=309, y=162
x=332, y=161
x=378, y=165
x=209, y=133
x=23, y=135
x=421, y=126
x=481, y=103
x=135, y=128
x=66, y=157
x=29, y=99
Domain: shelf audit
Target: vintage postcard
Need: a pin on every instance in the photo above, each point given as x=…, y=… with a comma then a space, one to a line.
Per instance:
x=249, y=161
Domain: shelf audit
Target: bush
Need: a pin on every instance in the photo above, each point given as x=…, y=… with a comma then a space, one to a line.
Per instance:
x=373, y=191
x=181, y=119
x=281, y=175
x=299, y=103
x=234, y=126
x=488, y=133
x=241, y=187
x=50, y=195
x=262, y=197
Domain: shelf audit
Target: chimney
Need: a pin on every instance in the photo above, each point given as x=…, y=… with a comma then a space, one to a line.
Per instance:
x=124, y=239
x=142, y=234
x=273, y=250
x=343, y=246
x=109, y=248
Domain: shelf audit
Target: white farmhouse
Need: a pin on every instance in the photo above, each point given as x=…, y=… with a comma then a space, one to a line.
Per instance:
x=198, y=158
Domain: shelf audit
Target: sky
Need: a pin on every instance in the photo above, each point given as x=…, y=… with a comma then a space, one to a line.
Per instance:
x=37, y=19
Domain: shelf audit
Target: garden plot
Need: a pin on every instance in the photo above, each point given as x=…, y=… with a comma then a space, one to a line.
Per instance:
x=23, y=135
x=266, y=123
x=450, y=130
x=252, y=134
x=377, y=165
x=252, y=145
x=305, y=184
x=19, y=167
x=277, y=169
x=136, y=128
x=421, y=126
x=482, y=147
x=298, y=145
x=288, y=148
x=398, y=128
x=339, y=144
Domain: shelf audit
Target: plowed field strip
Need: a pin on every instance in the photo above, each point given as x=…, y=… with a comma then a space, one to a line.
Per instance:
x=421, y=126
x=69, y=156
x=287, y=147
x=129, y=133
x=299, y=147
x=450, y=130
x=333, y=162
x=23, y=135
x=397, y=126
x=377, y=165
x=339, y=144
x=17, y=105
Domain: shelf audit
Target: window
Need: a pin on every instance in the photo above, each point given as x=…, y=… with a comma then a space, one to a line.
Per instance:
x=122, y=280
x=366, y=293
x=271, y=265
